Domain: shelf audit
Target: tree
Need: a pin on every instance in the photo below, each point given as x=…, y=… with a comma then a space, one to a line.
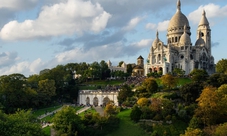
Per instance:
x=21, y=123
x=199, y=75
x=151, y=85
x=179, y=72
x=124, y=93
x=221, y=130
x=120, y=63
x=222, y=99
x=191, y=91
x=142, y=102
x=208, y=109
x=217, y=79
x=110, y=110
x=67, y=122
x=129, y=69
x=193, y=132
x=135, y=113
x=46, y=90
x=169, y=81
x=15, y=93
x=221, y=66
x=105, y=72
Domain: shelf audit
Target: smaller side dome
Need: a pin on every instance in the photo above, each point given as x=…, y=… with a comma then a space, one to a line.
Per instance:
x=200, y=41
x=185, y=38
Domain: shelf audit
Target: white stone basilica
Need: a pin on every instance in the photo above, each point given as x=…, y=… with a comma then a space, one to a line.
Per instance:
x=179, y=51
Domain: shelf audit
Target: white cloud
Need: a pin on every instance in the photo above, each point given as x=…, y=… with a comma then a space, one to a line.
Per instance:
x=212, y=11
x=151, y=26
x=132, y=23
x=17, y=4
x=8, y=58
x=73, y=16
x=161, y=26
x=144, y=43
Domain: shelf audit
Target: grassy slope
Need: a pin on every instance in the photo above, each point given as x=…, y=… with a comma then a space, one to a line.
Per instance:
x=127, y=127
x=43, y=111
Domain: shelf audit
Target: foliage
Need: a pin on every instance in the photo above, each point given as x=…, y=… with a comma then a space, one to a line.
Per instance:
x=221, y=66
x=221, y=130
x=199, y=75
x=110, y=109
x=190, y=92
x=217, y=79
x=193, y=132
x=14, y=93
x=179, y=72
x=67, y=122
x=142, y=102
x=21, y=123
x=208, y=109
x=169, y=81
x=46, y=90
x=151, y=85
x=124, y=93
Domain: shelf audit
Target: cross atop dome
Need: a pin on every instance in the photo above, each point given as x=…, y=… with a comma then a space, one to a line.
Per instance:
x=178, y=5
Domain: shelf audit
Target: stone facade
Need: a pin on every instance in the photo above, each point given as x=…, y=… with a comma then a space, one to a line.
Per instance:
x=97, y=97
x=179, y=52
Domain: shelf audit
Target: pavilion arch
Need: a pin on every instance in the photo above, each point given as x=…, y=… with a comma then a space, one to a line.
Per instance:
x=95, y=101
x=155, y=70
x=150, y=70
x=87, y=101
x=106, y=100
x=160, y=69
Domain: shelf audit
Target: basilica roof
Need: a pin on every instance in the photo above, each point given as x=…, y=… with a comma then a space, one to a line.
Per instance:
x=179, y=19
x=185, y=38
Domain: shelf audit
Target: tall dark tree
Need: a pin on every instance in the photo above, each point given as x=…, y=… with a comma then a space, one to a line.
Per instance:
x=221, y=66
x=124, y=93
x=15, y=93
x=191, y=91
x=104, y=70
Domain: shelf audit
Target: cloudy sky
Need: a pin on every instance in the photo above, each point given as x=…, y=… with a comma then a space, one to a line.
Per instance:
x=40, y=34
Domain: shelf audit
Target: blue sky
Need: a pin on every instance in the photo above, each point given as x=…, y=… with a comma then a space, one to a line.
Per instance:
x=40, y=34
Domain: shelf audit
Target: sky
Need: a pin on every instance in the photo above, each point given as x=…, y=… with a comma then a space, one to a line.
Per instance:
x=41, y=34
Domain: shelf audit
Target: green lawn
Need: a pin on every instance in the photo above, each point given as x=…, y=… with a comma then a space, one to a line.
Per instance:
x=47, y=130
x=44, y=110
x=127, y=127
x=92, y=110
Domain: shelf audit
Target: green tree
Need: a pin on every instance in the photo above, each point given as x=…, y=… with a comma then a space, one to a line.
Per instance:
x=120, y=63
x=21, y=123
x=222, y=99
x=67, y=122
x=129, y=69
x=15, y=93
x=151, y=85
x=135, y=113
x=221, y=66
x=124, y=93
x=105, y=72
x=179, y=72
x=221, y=130
x=199, y=75
x=169, y=81
x=191, y=91
x=193, y=132
x=217, y=79
x=46, y=90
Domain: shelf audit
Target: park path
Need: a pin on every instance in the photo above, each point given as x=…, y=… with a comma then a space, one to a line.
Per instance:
x=55, y=111
x=100, y=110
